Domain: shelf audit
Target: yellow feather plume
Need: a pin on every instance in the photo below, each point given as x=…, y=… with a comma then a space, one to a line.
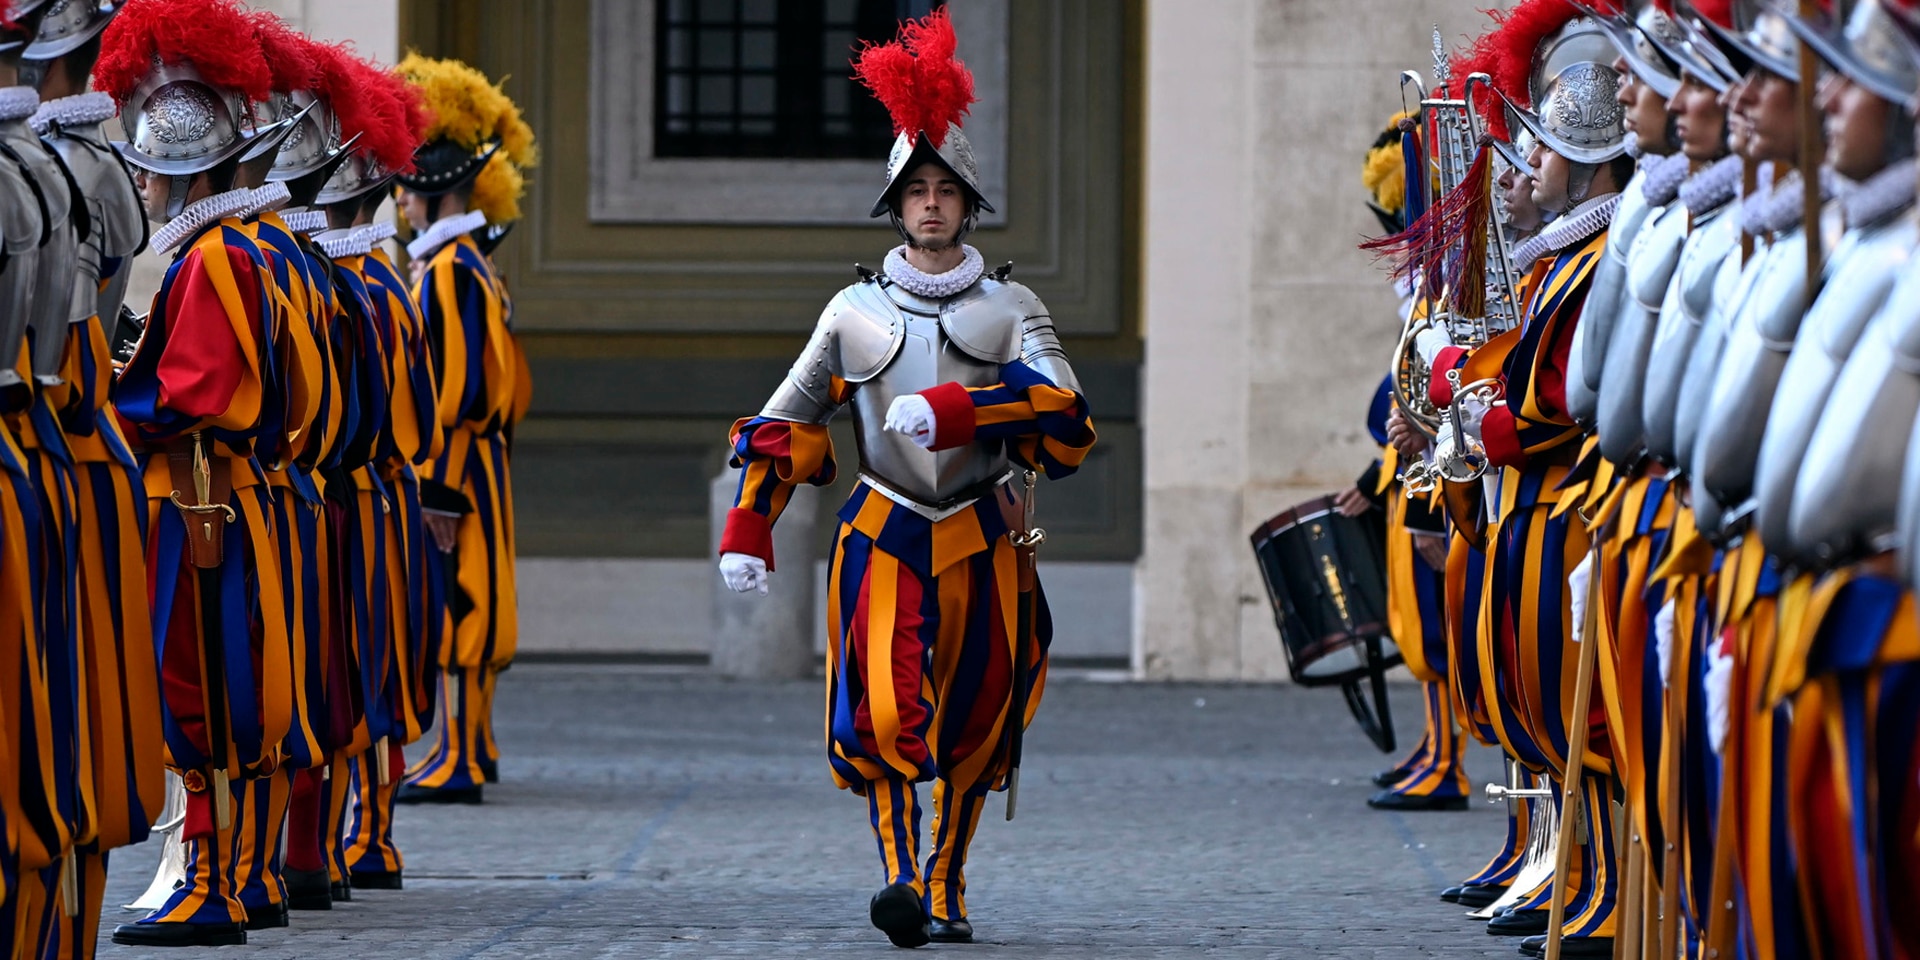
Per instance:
x=497, y=189
x=468, y=109
x=1384, y=173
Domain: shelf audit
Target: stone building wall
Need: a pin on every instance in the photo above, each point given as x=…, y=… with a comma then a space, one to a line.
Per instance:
x=1266, y=330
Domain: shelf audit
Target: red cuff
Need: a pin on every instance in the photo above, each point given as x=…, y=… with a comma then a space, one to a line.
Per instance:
x=749, y=533
x=1502, y=438
x=953, y=424
x=1439, y=389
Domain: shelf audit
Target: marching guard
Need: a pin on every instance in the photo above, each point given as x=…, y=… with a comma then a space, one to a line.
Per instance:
x=936, y=650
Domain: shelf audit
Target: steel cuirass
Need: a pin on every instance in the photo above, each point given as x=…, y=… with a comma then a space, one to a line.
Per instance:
x=1847, y=498
x=1758, y=339
x=59, y=255
x=1731, y=284
x=1714, y=240
x=1650, y=267
x=1859, y=277
x=23, y=225
x=116, y=222
x=888, y=343
x=1605, y=297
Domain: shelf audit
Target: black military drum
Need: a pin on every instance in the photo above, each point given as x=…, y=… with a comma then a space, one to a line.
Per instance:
x=1326, y=575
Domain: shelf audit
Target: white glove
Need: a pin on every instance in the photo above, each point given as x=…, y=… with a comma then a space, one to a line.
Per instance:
x=744, y=572
x=1577, y=584
x=1663, y=642
x=1472, y=411
x=912, y=415
x=1719, y=684
x=1429, y=342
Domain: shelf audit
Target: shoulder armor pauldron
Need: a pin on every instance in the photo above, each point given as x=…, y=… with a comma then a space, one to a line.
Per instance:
x=986, y=322
x=864, y=330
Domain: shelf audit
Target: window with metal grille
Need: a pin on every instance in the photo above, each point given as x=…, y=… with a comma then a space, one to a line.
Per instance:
x=770, y=78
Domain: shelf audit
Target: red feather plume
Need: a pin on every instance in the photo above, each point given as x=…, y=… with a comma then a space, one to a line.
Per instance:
x=289, y=54
x=1718, y=11
x=214, y=36
x=389, y=121
x=917, y=78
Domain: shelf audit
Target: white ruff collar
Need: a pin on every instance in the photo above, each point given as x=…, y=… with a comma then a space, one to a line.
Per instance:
x=304, y=220
x=935, y=286
x=198, y=216
x=1710, y=189
x=1880, y=196
x=443, y=232
x=270, y=197
x=1785, y=206
x=1579, y=224
x=1664, y=177
x=378, y=231
x=18, y=103
x=75, y=111
x=345, y=242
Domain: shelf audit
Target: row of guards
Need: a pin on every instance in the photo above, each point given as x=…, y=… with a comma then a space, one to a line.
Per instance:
x=1649, y=500
x=260, y=537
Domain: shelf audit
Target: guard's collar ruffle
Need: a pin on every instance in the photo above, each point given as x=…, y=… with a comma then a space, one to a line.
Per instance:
x=935, y=286
x=443, y=232
x=198, y=216
x=75, y=111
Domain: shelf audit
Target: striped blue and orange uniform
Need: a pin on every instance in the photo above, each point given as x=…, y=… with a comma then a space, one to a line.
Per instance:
x=484, y=388
x=1849, y=672
x=120, y=677
x=415, y=601
x=1527, y=656
x=29, y=798
x=922, y=640
x=206, y=373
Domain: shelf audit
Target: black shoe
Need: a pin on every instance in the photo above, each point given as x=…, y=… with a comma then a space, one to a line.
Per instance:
x=950, y=931
x=1523, y=924
x=308, y=890
x=172, y=934
x=341, y=892
x=1480, y=895
x=1389, y=778
x=375, y=879
x=489, y=771
x=409, y=793
x=1388, y=800
x=271, y=917
x=1452, y=894
x=898, y=912
x=1569, y=946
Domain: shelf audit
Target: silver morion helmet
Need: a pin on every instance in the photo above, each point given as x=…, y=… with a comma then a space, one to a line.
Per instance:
x=178, y=124
x=1582, y=120
x=1868, y=49
x=912, y=149
x=69, y=24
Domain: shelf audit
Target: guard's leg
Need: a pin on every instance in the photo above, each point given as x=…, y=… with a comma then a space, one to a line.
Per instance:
x=372, y=857
x=338, y=795
x=956, y=815
x=308, y=886
x=899, y=909
x=452, y=772
x=262, y=891
x=205, y=910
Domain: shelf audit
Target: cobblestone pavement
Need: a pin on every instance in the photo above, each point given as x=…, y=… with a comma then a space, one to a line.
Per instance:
x=657, y=815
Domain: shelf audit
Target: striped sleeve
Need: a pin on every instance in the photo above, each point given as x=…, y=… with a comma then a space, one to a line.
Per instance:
x=775, y=456
x=1044, y=426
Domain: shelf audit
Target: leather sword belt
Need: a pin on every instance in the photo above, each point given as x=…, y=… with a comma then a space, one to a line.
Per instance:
x=941, y=509
x=208, y=514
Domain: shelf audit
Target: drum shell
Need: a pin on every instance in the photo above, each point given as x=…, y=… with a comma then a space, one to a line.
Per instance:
x=1326, y=579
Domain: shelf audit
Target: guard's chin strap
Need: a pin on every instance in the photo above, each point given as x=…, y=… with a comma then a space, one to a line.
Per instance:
x=433, y=207
x=177, y=188
x=1580, y=182
x=1900, y=142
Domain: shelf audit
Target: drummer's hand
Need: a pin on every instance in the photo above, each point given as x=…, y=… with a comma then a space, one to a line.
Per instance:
x=1432, y=549
x=1351, y=502
x=1401, y=435
x=445, y=528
